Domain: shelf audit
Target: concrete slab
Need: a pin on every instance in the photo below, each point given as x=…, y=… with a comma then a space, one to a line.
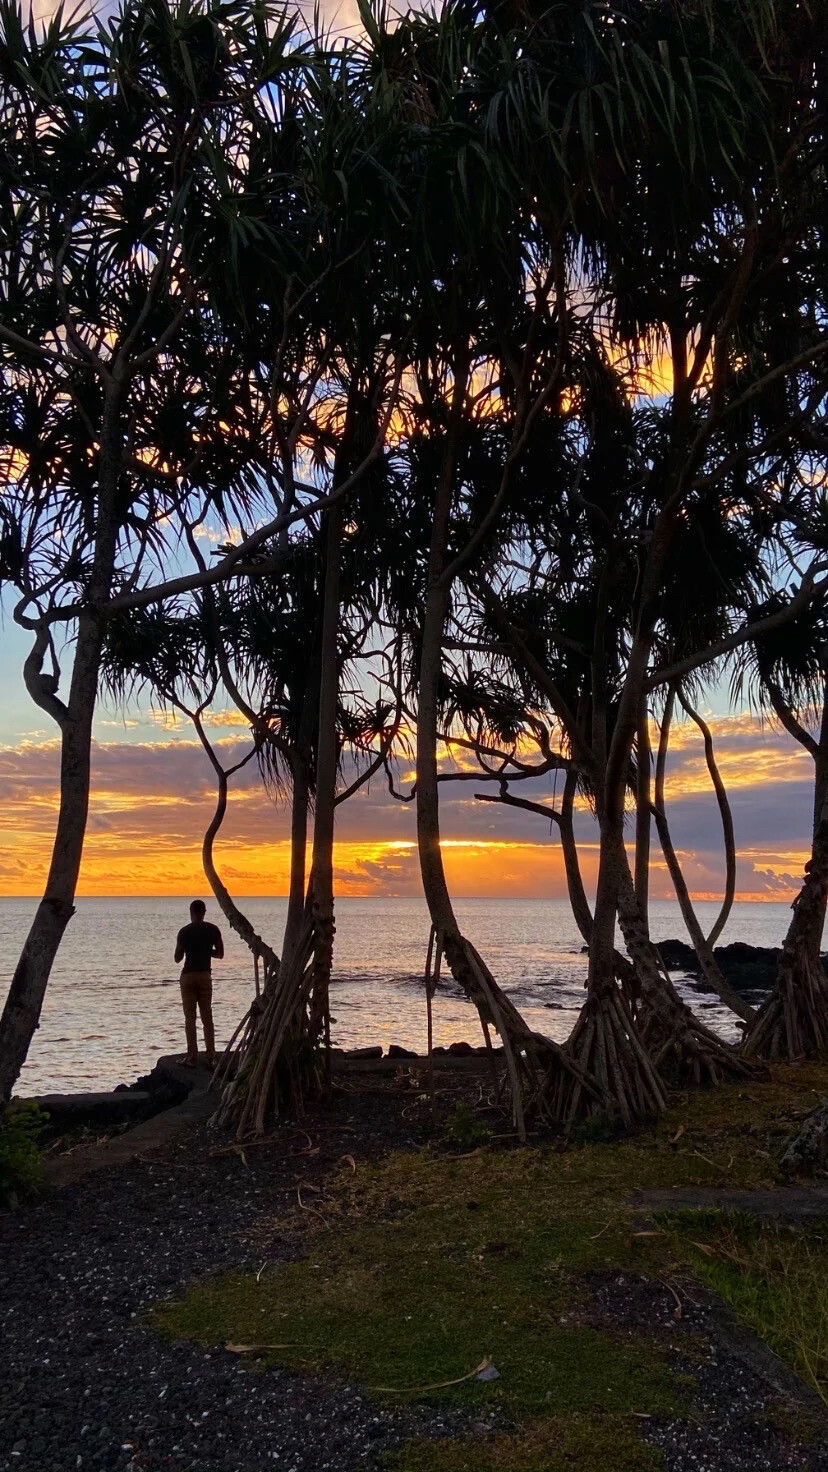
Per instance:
x=145, y=1139
x=788, y=1203
x=119, y=1105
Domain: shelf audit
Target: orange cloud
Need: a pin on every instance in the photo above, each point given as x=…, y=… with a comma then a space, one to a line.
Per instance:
x=152, y=800
x=749, y=753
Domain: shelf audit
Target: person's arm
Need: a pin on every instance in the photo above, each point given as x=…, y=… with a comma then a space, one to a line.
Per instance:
x=218, y=946
x=179, y=949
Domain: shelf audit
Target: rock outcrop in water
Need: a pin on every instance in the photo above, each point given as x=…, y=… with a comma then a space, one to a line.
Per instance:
x=747, y=968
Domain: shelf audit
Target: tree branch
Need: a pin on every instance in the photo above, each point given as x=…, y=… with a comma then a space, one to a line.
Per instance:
x=808, y=593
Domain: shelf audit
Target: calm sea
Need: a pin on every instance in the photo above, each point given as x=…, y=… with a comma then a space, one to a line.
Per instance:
x=113, y=1004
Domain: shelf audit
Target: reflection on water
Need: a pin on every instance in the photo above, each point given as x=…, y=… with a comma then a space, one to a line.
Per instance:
x=112, y=1006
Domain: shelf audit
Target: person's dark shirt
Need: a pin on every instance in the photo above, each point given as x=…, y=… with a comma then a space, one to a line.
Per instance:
x=198, y=940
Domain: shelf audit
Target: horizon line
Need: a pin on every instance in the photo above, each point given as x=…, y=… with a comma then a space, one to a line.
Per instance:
x=340, y=899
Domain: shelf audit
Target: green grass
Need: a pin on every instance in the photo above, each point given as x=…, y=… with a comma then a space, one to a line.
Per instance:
x=432, y=1264
x=560, y=1444
x=418, y=1267
x=774, y=1276
x=474, y=1262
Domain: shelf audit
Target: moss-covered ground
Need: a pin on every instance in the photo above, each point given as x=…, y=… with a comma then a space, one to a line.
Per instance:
x=419, y=1267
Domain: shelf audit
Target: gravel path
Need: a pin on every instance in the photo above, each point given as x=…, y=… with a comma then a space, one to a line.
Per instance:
x=744, y=1399
x=86, y=1385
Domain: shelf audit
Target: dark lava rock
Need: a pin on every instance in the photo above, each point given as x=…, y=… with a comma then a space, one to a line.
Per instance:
x=396, y=1050
x=461, y=1050
x=104, y=1109
x=746, y=967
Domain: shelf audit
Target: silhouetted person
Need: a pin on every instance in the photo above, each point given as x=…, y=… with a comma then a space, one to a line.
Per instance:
x=197, y=944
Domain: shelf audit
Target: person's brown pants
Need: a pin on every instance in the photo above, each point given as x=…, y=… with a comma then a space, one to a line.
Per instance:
x=197, y=994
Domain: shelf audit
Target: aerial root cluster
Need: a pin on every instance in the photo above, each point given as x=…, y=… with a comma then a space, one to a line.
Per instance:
x=276, y=1061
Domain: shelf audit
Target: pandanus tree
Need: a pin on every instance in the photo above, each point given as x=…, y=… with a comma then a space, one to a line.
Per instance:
x=690, y=265
x=256, y=646
x=489, y=341
x=156, y=173
x=790, y=667
x=115, y=223
x=309, y=704
x=694, y=463
x=321, y=384
x=351, y=164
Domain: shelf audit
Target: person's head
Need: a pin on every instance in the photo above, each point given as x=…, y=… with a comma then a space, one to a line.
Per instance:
x=198, y=910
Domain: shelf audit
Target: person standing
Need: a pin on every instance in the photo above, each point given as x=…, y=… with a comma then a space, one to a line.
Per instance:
x=198, y=944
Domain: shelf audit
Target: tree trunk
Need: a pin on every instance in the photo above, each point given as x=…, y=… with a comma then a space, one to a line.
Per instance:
x=235, y=917
x=726, y=815
x=709, y=966
x=624, y=971
x=300, y=799
x=21, y=1013
x=532, y=1061
x=321, y=889
x=281, y=1062
x=793, y=1023
x=668, y=1027
x=642, y=808
x=569, y=849
x=820, y=808
x=605, y=1042
x=492, y=1005
x=301, y=767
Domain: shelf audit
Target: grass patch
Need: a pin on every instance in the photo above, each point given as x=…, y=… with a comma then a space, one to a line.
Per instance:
x=774, y=1276
x=419, y=1266
x=588, y=1443
x=476, y=1265
x=464, y=1129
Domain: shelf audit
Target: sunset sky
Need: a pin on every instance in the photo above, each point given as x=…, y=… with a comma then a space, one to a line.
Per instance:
x=152, y=799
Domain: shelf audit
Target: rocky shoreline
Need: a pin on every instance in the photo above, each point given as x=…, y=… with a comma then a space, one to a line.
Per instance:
x=74, y=1117
x=750, y=970
x=116, y=1109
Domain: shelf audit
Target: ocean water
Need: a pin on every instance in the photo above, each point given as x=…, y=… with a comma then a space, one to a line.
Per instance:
x=113, y=1004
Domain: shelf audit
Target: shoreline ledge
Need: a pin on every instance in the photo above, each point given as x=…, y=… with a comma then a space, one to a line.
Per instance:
x=170, y=1083
x=152, y=1112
